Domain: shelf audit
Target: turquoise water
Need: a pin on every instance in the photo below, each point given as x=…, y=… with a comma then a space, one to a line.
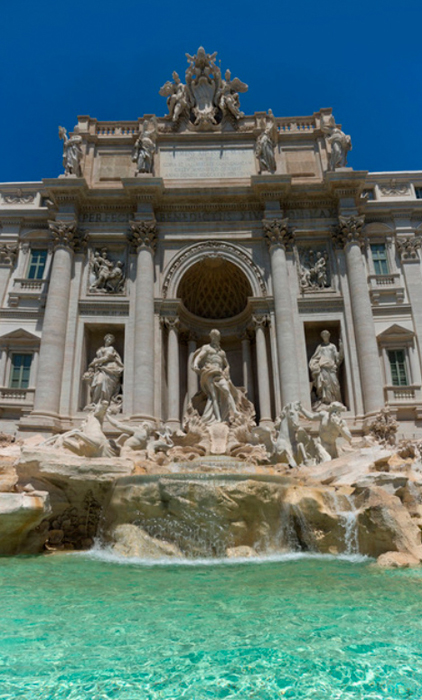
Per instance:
x=81, y=627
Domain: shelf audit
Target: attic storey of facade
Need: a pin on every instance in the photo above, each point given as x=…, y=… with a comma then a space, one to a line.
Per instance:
x=160, y=229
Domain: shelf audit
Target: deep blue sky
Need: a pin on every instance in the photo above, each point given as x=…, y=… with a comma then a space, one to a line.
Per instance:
x=108, y=59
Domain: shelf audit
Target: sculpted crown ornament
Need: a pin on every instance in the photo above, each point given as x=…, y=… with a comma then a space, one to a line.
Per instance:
x=349, y=230
x=143, y=234
x=407, y=247
x=65, y=234
x=276, y=232
x=206, y=99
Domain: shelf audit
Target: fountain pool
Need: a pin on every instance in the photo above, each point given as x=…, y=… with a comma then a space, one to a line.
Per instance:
x=96, y=627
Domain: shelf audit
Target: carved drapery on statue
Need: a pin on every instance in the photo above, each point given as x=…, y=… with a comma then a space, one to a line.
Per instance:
x=144, y=149
x=324, y=365
x=207, y=99
x=266, y=144
x=105, y=275
x=72, y=153
x=104, y=376
x=340, y=143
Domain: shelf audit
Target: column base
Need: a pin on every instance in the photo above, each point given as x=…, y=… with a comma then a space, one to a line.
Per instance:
x=173, y=424
x=143, y=417
x=266, y=423
x=44, y=422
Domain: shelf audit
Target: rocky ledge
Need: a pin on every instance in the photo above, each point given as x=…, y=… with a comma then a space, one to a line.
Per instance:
x=367, y=501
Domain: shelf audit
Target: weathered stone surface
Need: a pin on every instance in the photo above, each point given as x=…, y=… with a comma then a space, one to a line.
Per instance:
x=132, y=541
x=385, y=525
x=20, y=515
x=350, y=467
x=397, y=560
x=240, y=552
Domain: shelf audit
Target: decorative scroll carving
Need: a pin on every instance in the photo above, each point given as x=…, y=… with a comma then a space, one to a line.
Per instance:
x=313, y=268
x=408, y=246
x=19, y=197
x=349, y=230
x=65, y=234
x=143, y=234
x=206, y=98
x=395, y=189
x=171, y=323
x=8, y=253
x=144, y=150
x=105, y=275
x=276, y=232
x=339, y=142
x=72, y=153
x=265, y=145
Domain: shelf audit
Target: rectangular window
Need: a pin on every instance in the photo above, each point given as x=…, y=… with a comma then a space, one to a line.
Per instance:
x=398, y=367
x=379, y=257
x=418, y=191
x=21, y=368
x=37, y=264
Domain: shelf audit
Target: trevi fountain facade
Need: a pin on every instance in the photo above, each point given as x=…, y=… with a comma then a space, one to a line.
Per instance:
x=211, y=337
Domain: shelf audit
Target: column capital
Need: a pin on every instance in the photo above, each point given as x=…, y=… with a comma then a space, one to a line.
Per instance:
x=172, y=323
x=277, y=233
x=66, y=234
x=8, y=254
x=143, y=234
x=349, y=230
x=260, y=321
x=407, y=247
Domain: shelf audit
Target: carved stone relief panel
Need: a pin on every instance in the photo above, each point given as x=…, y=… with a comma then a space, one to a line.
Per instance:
x=107, y=270
x=313, y=267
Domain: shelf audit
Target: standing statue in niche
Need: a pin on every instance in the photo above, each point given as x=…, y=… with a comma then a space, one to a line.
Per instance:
x=72, y=153
x=210, y=363
x=340, y=144
x=144, y=150
x=265, y=145
x=104, y=375
x=324, y=365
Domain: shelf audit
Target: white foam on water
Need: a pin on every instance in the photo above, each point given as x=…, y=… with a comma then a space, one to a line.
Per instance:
x=107, y=554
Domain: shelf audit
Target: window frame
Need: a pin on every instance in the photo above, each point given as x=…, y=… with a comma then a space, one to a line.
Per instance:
x=34, y=251
x=21, y=378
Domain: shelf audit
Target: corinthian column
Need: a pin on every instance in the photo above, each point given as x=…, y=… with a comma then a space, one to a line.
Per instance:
x=52, y=348
x=143, y=237
x=173, y=373
x=259, y=323
x=351, y=237
x=277, y=237
x=8, y=255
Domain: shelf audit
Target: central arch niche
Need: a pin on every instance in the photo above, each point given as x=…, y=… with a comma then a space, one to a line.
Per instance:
x=214, y=288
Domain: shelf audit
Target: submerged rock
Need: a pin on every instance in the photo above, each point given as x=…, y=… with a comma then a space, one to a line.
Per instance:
x=397, y=560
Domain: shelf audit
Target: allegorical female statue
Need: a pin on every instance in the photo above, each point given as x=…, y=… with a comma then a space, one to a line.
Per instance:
x=72, y=153
x=104, y=373
x=324, y=365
